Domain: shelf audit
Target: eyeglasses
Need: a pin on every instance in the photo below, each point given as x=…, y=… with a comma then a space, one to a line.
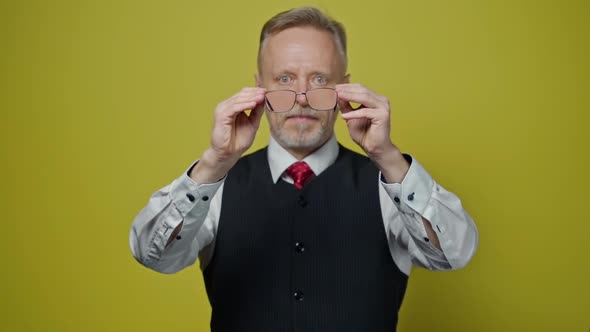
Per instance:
x=319, y=99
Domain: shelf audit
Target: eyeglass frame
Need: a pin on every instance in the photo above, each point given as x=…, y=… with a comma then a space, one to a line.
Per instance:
x=268, y=105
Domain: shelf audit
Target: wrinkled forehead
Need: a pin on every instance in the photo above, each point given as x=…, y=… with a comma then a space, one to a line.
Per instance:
x=299, y=46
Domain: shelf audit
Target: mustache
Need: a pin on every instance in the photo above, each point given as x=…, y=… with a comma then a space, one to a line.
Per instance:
x=299, y=111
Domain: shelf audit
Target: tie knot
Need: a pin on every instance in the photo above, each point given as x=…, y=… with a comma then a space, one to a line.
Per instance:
x=300, y=172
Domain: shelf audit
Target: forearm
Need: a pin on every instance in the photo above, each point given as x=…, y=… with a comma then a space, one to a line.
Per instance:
x=441, y=233
x=394, y=167
x=454, y=227
x=392, y=164
x=211, y=167
x=163, y=235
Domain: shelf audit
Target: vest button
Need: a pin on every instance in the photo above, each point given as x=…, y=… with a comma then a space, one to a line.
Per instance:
x=302, y=201
x=298, y=295
x=299, y=247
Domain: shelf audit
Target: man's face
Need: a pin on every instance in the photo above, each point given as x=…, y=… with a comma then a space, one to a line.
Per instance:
x=300, y=59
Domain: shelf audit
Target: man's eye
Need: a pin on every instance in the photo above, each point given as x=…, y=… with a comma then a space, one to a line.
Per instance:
x=284, y=79
x=320, y=80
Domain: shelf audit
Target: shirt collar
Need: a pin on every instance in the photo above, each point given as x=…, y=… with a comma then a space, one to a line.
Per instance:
x=280, y=159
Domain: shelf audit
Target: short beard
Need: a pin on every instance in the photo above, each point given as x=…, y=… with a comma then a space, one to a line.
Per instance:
x=302, y=139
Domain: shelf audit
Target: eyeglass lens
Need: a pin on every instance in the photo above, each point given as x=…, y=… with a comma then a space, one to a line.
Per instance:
x=320, y=99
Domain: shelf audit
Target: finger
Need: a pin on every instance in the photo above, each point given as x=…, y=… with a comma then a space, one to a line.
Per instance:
x=240, y=107
x=344, y=106
x=256, y=115
x=354, y=90
x=363, y=113
x=258, y=97
x=352, y=87
x=246, y=95
x=349, y=86
x=366, y=97
x=251, y=89
x=238, y=104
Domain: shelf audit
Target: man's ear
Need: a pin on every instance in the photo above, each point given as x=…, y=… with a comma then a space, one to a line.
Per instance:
x=257, y=80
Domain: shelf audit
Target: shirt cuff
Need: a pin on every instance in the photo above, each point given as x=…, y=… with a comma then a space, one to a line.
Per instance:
x=186, y=193
x=415, y=190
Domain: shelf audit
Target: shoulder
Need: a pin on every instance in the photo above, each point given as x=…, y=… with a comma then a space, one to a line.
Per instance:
x=354, y=158
x=356, y=166
x=247, y=164
x=256, y=156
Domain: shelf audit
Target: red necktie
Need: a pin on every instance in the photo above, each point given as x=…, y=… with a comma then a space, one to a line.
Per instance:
x=300, y=172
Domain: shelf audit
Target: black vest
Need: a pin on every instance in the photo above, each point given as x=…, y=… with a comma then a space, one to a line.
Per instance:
x=300, y=261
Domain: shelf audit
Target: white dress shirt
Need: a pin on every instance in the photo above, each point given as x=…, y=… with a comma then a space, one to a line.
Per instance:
x=403, y=205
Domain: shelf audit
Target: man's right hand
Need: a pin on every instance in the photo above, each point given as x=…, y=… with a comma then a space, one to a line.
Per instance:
x=233, y=133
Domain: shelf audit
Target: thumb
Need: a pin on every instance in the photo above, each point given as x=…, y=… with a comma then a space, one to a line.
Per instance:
x=344, y=106
x=256, y=115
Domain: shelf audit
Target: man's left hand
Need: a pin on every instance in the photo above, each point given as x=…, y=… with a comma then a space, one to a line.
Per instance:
x=369, y=127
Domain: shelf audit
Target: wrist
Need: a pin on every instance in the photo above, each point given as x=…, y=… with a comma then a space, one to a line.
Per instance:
x=392, y=164
x=211, y=168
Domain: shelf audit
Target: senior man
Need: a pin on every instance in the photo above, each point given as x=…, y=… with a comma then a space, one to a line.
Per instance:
x=304, y=234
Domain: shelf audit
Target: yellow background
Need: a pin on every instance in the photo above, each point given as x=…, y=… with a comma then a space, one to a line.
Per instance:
x=104, y=102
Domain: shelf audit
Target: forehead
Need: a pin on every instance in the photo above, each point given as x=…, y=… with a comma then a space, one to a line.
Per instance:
x=299, y=48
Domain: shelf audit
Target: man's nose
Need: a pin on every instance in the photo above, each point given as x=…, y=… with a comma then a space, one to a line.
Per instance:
x=301, y=97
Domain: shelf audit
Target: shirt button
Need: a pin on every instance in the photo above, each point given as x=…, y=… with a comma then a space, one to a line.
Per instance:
x=426, y=239
x=190, y=197
x=298, y=295
x=205, y=198
x=396, y=199
x=178, y=237
x=411, y=197
x=299, y=247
